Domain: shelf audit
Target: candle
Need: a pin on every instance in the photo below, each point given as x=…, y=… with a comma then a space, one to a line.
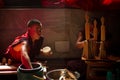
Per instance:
x=95, y=32
x=87, y=28
x=85, y=50
x=102, y=30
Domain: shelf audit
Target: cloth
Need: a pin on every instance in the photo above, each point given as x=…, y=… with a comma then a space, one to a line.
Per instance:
x=33, y=49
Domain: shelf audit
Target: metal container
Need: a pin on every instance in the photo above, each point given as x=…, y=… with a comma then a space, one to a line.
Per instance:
x=30, y=74
x=60, y=74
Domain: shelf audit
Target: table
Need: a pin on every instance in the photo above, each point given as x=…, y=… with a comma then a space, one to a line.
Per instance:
x=97, y=68
x=8, y=72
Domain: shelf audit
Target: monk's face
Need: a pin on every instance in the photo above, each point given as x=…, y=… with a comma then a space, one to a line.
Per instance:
x=35, y=31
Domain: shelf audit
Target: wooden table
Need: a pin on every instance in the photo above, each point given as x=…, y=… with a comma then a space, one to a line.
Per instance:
x=97, y=68
x=8, y=72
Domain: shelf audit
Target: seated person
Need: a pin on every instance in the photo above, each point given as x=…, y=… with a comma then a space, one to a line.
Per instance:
x=26, y=47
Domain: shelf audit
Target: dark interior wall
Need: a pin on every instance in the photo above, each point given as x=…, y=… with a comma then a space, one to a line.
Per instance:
x=59, y=25
x=55, y=27
x=114, y=24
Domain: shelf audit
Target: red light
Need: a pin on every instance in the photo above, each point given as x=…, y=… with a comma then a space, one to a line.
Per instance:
x=107, y=2
x=70, y=1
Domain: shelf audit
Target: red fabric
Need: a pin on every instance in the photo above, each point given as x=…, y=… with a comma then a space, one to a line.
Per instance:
x=15, y=54
x=11, y=53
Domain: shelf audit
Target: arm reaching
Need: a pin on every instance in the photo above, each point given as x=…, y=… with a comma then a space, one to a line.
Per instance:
x=24, y=56
x=79, y=42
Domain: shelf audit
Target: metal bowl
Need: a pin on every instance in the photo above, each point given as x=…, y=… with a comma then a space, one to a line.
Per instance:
x=58, y=74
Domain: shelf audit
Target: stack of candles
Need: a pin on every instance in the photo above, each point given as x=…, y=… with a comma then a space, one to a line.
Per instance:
x=86, y=51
